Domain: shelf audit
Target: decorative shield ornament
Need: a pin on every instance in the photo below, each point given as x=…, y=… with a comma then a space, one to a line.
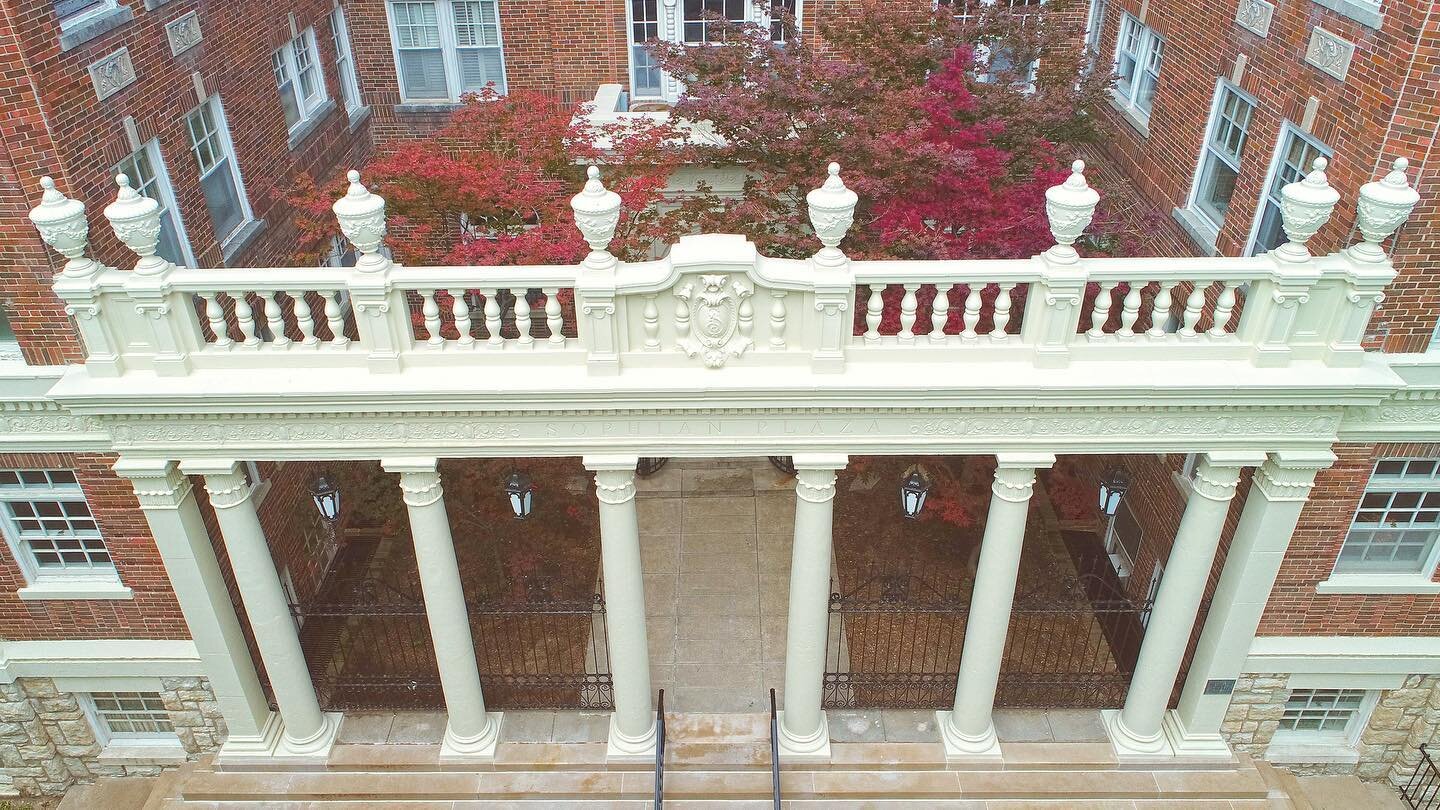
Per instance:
x=714, y=321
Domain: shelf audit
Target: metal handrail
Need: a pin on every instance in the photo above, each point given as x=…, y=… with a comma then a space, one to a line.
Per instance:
x=1422, y=792
x=660, y=751
x=774, y=752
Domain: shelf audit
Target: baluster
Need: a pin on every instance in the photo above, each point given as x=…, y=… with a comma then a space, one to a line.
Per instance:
x=908, y=307
x=430, y=309
x=1160, y=310
x=1002, y=313
x=1130, y=310
x=335, y=319
x=1101, y=313
x=522, y=318
x=777, y=320
x=651, y=318
x=245, y=313
x=874, y=308
x=747, y=318
x=1224, y=307
x=972, y=312
x=275, y=319
x=940, y=313
x=215, y=315
x=460, y=310
x=1194, y=306
x=554, y=316
x=492, y=316
x=304, y=319
x=682, y=319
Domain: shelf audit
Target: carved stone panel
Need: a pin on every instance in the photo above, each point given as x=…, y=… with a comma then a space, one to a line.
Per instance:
x=1254, y=16
x=184, y=33
x=1329, y=53
x=714, y=318
x=112, y=74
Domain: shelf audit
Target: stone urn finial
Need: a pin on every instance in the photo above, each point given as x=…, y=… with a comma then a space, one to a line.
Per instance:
x=1070, y=207
x=135, y=219
x=597, y=211
x=361, y=215
x=62, y=225
x=832, y=210
x=1305, y=207
x=1384, y=206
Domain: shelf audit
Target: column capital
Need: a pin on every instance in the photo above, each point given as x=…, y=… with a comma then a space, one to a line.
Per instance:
x=1014, y=484
x=224, y=481
x=1289, y=476
x=1216, y=476
x=616, y=462
x=158, y=483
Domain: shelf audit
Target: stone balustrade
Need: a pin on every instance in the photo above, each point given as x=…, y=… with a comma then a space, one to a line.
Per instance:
x=715, y=302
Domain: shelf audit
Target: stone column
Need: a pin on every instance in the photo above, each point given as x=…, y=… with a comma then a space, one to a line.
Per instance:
x=168, y=502
x=308, y=732
x=632, y=727
x=804, y=734
x=968, y=730
x=470, y=733
x=1277, y=496
x=1135, y=730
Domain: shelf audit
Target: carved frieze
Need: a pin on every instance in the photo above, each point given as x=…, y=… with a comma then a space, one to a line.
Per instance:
x=1329, y=53
x=184, y=33
x=1254, y=16
x=112, y=73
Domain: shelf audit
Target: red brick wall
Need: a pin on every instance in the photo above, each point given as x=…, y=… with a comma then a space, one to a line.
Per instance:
x=153, y=613
x=1386, y=107
x=1295, y=609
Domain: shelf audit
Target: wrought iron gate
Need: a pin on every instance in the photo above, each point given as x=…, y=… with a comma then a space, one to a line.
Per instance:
x=368, y=646
x=896, y=637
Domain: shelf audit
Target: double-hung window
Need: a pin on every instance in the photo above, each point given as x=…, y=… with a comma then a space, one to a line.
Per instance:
x=49, y=528
x=1293, y=158
x=345, y=62
x=1219, y=167
x=146, y=170
x=1094, y=24
x=645, y=77
x=219, y=172
x=129, y=718
x=297, y=74
x=777, y=14
x=1396, y=526
x=446, y=48
x=1138, y=55
x=700, y=18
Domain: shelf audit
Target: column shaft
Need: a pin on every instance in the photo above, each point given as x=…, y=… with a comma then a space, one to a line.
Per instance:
x=470, y=732
x=803, y=731
x=308, y=732
x=632, y=729
x=1136, y=729
x=969, y=729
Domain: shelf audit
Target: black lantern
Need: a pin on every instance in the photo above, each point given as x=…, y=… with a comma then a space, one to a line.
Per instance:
x=1113, y=485
x=521, y=492
x=914, y=486
x=326, y=493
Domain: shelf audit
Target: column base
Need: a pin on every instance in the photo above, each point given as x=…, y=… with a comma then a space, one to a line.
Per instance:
x=811, y=748
x=984, y=747
x=1135, y=748
x=1192, y=746
x=480, y=748
x=273, y=746
x=621, y=747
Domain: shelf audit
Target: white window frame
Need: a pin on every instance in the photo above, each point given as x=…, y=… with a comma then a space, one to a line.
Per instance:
x=286, y=63
x=1147, y=41
x=1290, y=745
x=1288, y=130
x=1360, y=580
x=124, y=739
x=449, y=51
x=1209, y=151
x=9, y=346
x=681, y=21
x=247, y=215
x=1115, y=550
x=1094, y=26
x=91, y=581
x=345, y=63
x=165, y=195
x=672, y=19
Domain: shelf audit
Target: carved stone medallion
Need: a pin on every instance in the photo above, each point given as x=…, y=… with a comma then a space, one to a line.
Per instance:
x=715, y=320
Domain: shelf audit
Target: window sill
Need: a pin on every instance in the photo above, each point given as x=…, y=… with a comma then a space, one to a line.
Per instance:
x=1201, y=231
x=309, y=125
x=240, y=239
x=1367, y=14
x=92, y=27
x=62, y=588
x=1378, y=584
x=426, y=107
x=142, y=752
x=151, y=5
x=1286, y=751
x=358, y=116
x=1141, y=124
